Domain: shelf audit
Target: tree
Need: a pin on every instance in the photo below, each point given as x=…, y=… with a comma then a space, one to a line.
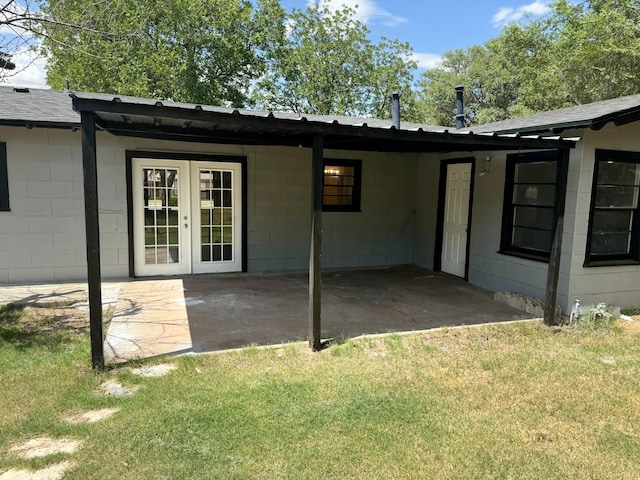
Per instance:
x=320, y=61
x=196, y=51
x=578, y=53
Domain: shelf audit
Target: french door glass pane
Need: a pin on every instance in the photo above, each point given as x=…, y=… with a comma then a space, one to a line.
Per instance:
x=216, y=212
x=161, y=215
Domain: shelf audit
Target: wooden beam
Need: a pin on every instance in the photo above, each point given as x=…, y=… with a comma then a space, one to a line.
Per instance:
x=553, y=271
x=315, y=279
x=92, y=229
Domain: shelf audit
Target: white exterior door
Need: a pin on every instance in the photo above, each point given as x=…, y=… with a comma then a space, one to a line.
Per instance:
x=186, y=217
x=456, y=217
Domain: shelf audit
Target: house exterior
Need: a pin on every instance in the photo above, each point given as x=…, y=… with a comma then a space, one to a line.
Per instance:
x=187, y=189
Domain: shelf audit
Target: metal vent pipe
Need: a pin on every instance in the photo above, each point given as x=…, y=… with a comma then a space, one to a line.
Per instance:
x=459, y=106
x=395, y=109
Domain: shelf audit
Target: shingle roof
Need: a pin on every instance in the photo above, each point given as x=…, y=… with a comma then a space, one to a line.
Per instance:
x=38, y=106
x=54, y=106
x=125, y=115
x=593, y=115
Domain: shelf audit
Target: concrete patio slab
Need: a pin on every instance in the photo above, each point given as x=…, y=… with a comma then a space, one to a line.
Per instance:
x=150, y=319
x=230, y=311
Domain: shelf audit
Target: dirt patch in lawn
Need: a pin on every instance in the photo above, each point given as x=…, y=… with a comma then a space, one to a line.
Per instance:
x=43, y=447
x=90, y=416
x=52, y=472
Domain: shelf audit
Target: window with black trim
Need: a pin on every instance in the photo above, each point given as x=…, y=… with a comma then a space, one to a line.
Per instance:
x=529, y=213
x=341, y=185
x=4, y=179
x=614, y=216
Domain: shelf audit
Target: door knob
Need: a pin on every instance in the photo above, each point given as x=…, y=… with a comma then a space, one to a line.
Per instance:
x=186, y=226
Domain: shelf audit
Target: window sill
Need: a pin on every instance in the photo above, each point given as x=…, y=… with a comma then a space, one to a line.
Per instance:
x=610, y=263
x=527, y=256
x=327, y=210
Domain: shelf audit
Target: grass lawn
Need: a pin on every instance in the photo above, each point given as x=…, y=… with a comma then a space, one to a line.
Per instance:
x=513, y=401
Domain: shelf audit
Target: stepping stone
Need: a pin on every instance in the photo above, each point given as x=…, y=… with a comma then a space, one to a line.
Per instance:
x=91, y=416
x=115, y=389
x=154, y=370
x=43, y=447
x=52, y=472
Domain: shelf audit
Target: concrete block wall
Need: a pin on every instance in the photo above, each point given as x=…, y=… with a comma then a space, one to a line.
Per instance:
x=614, y=285
x=42, y=237
x=279, y=210
x=495, y=271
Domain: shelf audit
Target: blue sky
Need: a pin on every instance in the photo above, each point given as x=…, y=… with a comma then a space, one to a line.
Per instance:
x=435, y=26
x=430, y=26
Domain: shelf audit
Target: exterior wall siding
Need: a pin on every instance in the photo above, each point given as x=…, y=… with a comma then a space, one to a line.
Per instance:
x=613, y=285
x=495, y=271
x=42, y=237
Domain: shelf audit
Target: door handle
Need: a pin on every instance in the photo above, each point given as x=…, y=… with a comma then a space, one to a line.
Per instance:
x=186, y=226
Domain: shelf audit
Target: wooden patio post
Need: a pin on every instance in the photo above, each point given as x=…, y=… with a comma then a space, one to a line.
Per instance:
x=553, y=271
x=315, y=279
x=92, y=229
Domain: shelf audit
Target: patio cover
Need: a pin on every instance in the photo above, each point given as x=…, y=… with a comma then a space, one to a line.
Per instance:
x=138, y=117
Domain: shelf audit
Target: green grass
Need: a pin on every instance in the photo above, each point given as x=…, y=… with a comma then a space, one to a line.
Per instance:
x=512, y=401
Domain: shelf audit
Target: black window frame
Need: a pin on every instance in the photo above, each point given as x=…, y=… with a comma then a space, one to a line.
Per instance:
x=4, y=179
x=357, y=184
x=508, y=205
x=633, y=256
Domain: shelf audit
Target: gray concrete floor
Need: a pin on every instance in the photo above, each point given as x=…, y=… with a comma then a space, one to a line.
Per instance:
x=229, y=311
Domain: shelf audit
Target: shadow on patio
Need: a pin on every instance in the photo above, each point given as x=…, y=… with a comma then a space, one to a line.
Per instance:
x=216, y=312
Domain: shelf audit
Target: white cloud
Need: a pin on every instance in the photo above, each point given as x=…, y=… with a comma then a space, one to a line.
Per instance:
x=30, y=70
x=426, y=60
x=367, y=11
x=513, y=14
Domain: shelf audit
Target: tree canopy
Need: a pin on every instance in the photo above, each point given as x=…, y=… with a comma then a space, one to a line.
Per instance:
x=227, y=52
x=579, y=52
x=188, y=50
x=323, y=62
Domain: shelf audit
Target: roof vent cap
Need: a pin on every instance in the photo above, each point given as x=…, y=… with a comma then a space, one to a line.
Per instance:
x=21, y=89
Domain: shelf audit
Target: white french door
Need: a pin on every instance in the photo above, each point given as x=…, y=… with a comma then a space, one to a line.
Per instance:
x=186, y=217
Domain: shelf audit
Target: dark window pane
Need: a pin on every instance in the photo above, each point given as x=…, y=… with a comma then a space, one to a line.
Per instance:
x=617, y=197
x=539, y=240
x=216, y=235
x=161, y=236
x=533, y=217
x=217, y=198
x=217, y=216
x=174, y=256
x=217, y=253
x=161, y=217
x=227, y=252
x=205, y=235
x=149, y=255
x=534, y=194
x=536, y=172
x=228, y=216
x=173, y=235
x=226, y=198
x=618, y=173
x=217, y=182
x=205, y=217
x=173, y=217
x=610, y=243
x=149, y=236
x=226, y=179
x=206, y=253
x=612, y=221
